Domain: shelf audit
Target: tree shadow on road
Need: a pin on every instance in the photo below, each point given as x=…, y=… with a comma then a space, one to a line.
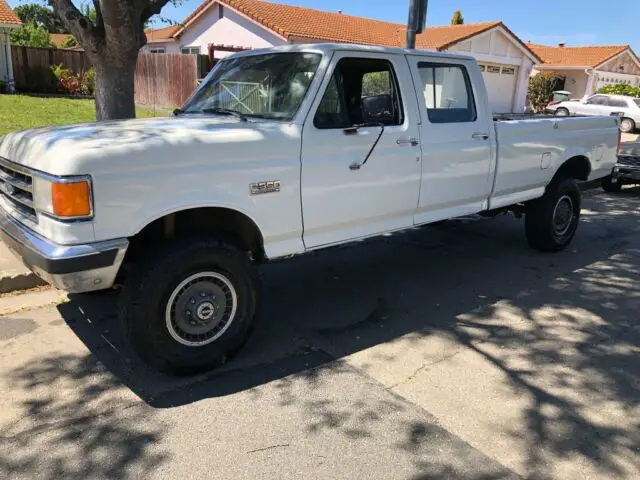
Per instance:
x=71, y=424
x=559, y=328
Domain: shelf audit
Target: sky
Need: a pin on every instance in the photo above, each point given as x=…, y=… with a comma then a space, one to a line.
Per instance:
x=575, y=22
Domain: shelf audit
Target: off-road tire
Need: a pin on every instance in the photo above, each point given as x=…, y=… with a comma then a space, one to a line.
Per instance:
x=149, y=287
x=541, y=216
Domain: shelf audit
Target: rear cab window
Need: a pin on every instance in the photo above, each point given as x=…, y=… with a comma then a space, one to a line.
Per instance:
x=447, y=93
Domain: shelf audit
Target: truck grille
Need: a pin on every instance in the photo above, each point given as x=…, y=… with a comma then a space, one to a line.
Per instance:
x=16, y=187
x=628, y=160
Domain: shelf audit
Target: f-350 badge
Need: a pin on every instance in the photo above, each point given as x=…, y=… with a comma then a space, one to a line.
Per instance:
x=271, y=186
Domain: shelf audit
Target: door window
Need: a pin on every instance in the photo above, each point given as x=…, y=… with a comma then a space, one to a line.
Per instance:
x=361, y=91
x=448, y=95
x=616, y=102
x=597, y=100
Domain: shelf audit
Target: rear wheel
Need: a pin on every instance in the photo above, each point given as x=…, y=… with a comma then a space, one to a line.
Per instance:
x=627, y=125
x=552, y=220
x=609, y=186
x=562, y=112
x=190, y=305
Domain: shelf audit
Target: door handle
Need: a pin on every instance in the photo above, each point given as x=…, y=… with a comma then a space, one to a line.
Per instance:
x=414, y=142
x=480, y=136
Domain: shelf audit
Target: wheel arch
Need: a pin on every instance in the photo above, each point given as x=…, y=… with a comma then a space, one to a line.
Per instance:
x=229, y=223
x=577, y=166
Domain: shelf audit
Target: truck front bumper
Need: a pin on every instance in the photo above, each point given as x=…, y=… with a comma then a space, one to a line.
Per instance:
x=625, y=174
x=74, y=268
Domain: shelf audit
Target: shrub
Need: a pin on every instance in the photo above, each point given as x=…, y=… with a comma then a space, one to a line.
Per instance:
x=71, y=84
x=89, y=82
x=60, y=72
x=540, y=91
x=68, y=82
x=31, y=36
x=69, y=43
x=621, y=89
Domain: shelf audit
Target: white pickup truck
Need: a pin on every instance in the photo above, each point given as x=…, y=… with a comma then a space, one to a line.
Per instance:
x=279, y=152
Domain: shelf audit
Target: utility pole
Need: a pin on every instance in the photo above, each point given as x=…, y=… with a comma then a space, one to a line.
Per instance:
x=417, y=20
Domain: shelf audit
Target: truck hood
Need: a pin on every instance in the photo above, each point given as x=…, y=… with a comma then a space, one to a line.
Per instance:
x=87, y=148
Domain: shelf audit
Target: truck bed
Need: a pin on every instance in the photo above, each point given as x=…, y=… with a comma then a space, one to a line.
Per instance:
x=531, y=148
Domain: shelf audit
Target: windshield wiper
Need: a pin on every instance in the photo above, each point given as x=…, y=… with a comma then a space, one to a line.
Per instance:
x=225, y=111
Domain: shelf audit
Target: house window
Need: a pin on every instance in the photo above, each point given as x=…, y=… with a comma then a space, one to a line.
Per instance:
x=157, y=50
x=482, y=68
x=508, y=71
x=493, y=69
x=190, y=50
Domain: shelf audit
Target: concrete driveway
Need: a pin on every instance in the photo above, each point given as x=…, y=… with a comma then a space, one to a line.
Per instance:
x=447, y=352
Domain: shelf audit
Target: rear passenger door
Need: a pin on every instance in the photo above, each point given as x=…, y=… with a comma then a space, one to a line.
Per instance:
x=456, y=133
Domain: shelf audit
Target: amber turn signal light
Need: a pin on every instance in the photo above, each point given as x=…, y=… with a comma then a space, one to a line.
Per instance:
x=71, y=199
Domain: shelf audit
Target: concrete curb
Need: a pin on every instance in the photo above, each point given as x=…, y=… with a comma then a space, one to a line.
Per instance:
x=11, y=282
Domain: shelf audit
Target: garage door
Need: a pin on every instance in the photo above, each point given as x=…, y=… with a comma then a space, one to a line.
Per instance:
x=501, y=86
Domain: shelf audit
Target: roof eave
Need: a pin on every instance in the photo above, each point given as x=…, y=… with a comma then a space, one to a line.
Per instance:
x=627, y=48
x=543, y=66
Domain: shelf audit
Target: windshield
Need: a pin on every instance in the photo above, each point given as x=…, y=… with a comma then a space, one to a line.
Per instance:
x=637, y=100
x=265, y=86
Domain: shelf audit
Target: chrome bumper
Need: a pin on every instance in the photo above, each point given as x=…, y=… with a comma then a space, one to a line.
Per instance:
x=622, y=172
x=74, y=268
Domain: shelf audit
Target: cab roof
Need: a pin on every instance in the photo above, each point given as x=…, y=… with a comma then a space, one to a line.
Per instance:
x=326, y=48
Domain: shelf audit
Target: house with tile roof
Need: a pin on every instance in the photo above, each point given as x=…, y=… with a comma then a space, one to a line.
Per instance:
x=218, y=27
x=583, y=70
x=8, y=21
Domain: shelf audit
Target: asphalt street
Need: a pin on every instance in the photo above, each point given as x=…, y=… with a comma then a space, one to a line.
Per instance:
x=451, y=351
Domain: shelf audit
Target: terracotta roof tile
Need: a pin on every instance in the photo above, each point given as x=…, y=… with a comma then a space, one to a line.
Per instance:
x=298, y=22
x=161, y=34
x=576, y=56
x=59, y=38
x=8, y=16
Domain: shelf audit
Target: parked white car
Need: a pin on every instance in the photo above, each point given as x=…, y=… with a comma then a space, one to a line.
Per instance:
x=280, y=152
x=627, y=107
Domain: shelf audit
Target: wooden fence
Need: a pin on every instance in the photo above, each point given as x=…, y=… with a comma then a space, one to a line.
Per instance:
x=167, y=80
x=32, y=67
x=164, y=80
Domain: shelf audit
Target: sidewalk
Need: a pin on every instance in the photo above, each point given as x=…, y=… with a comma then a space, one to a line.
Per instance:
x=13, y=274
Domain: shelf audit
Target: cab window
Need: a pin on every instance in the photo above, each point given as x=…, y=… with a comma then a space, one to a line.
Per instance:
x=447, y=93
x=361, y=91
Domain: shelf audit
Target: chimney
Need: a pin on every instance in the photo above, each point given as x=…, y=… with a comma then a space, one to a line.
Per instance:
x=340, y=12
x=561, y=44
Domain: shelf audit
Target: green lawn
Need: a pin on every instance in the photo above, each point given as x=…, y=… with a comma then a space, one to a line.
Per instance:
x=18, y=112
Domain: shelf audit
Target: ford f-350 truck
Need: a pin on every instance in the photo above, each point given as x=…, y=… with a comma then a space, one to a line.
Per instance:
x=279, y=152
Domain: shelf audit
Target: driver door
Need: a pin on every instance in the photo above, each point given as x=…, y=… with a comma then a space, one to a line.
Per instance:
x=360, y=181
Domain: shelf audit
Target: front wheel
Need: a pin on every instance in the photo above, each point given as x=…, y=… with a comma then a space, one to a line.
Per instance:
x=562, y=112
x=552, y=220
x=190, y=305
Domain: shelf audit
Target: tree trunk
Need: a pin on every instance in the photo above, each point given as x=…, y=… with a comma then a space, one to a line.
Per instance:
x=115, y=93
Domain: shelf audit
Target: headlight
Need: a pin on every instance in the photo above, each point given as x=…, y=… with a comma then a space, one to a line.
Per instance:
x=63, y=198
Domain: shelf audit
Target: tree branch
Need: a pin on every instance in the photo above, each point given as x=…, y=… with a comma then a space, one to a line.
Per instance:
x=80, y=26
x=99, y=19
